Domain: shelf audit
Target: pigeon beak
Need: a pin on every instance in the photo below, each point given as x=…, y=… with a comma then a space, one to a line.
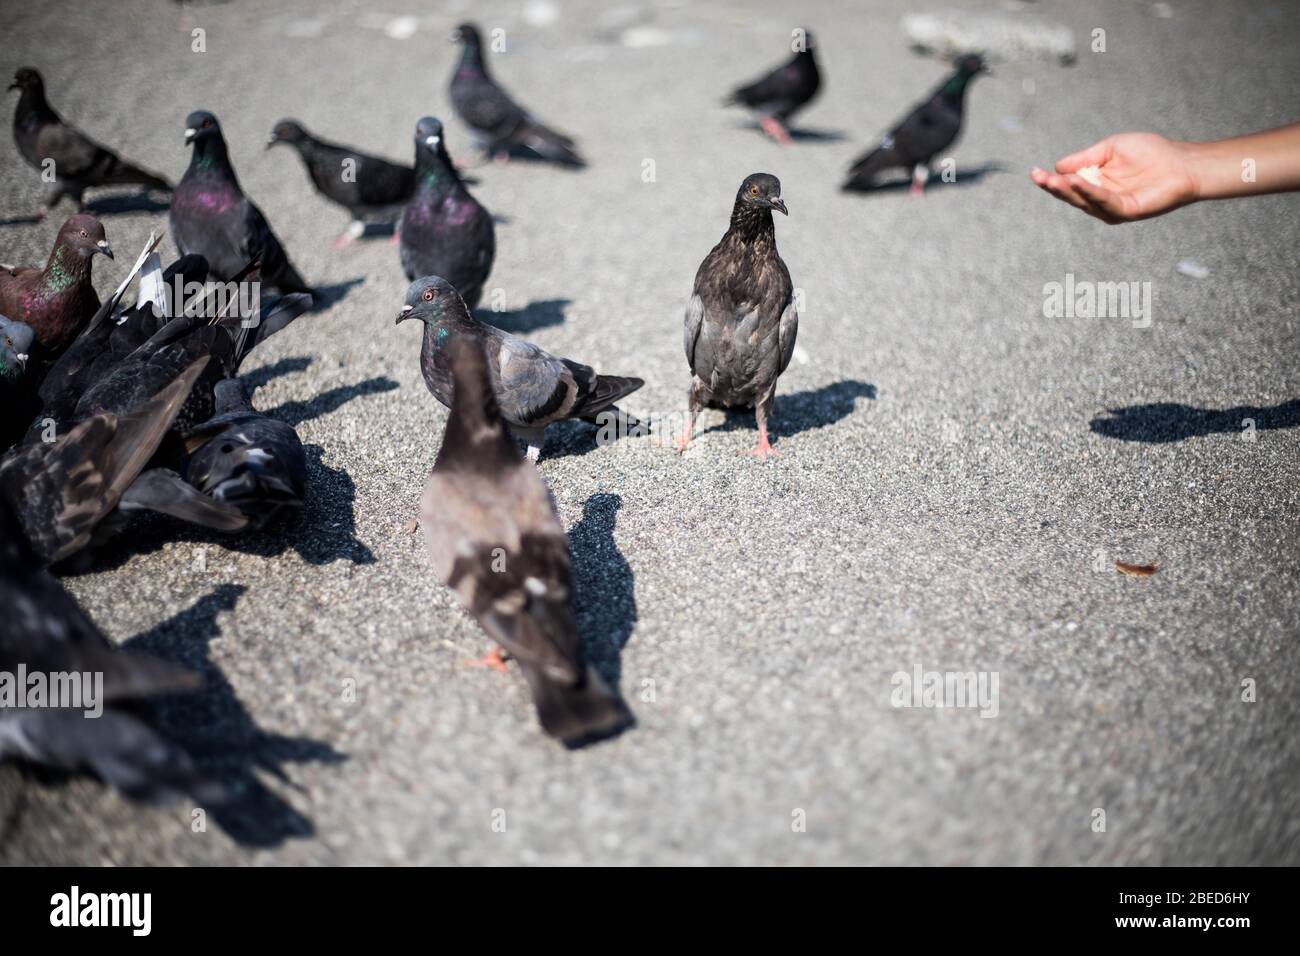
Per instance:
x=190, y=134
x=779, y=205
x=102, y=246
x=22, y=360
x=432, y=141
x=14, y=86
x=272, y=140
x=404, y=314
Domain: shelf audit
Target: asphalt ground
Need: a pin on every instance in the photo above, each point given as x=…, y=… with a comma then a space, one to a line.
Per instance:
x=959, y=471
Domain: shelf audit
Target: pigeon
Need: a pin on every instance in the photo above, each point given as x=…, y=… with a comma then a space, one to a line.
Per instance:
x=49, y=638
x=444, y=230
x=17, y=392
x=741, y=320
x=500, y=125
x=60, y=491
x=494, y=537
x=533, y=388
x=60, y=299
x=79, y=162
x=243, y=471
x=780, y=94
x=369, y=188
x=211, y=216
x=925, y=132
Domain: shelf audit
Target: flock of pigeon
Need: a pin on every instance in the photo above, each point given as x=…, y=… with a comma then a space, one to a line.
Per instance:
x=115, y=409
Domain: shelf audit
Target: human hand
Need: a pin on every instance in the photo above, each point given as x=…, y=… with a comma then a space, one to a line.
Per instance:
x=1142, y=175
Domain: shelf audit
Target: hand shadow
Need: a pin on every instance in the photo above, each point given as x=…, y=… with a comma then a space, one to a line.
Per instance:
x=221, y=736
x=533, y=316
x=1163, y=422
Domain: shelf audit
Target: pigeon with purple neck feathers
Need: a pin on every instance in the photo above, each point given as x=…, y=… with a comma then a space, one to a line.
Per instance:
x=444, y=230
x=778, y=95
x=741, y=320
x=500, y=125
x=58, y=300
x=79, y=162
x=533, y=388
x=924, y=133
x=494, y=537
x=212, y=217
x=369, y=188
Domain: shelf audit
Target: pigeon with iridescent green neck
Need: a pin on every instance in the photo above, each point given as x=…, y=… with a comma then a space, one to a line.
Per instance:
x=444, y=230
x=60, y=299
x=924, y=133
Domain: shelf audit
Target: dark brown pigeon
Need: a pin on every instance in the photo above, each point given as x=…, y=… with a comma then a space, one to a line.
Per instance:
x=778, y=95
x=924, y=133
x=211, y=216
x=533, y=388
x=79, y=162
x=494, y=537
x=369, y=188
x=60, y=299
x=445, y=231
x=500, y=125
x=741, y=320
x=60, y=491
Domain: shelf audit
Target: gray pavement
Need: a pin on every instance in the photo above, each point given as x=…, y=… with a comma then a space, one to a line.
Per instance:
x=947, y=494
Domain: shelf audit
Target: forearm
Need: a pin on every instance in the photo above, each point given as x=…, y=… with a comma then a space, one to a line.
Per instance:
x=1266, y=162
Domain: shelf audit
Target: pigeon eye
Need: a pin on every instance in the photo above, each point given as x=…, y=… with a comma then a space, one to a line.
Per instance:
x=428, y=295
x=83, y=234
x=753, y=190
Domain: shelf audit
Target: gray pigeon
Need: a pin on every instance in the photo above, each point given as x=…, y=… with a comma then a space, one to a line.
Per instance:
x=741, y=320
x=18, y=402
x=533, y=388
x=242, y=470
x=444, y=230
x=501, y=126
x=924, y=133
x=211, y=216
x=48, y=637
x=494, y=537
x=778, y=95
x=369, y=188
x=79, y=162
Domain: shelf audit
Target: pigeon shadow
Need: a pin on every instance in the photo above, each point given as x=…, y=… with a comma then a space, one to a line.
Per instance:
x=804, y=134
x=1163, y=422
x=29, y=220
x=604, y=586
x=218, y=732
x=324, y=296
x=533, y=316
x=120, y=205
x=285, y=366
x=296, y=412
x=968, y=176
x=803, y=411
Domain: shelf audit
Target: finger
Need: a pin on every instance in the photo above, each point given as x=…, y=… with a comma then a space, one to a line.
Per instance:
x=1099, y=196
x=1098, y=154
x=1062, y=189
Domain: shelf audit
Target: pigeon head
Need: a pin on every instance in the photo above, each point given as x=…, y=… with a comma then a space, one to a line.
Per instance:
x=28, y=80
x=430, y=299
x=428, y=134
x=467, y=34
x=287, y=131
x=971, y=64
x=16, y=340
x=761, y=191
x=201, y=127
x=84, y=235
